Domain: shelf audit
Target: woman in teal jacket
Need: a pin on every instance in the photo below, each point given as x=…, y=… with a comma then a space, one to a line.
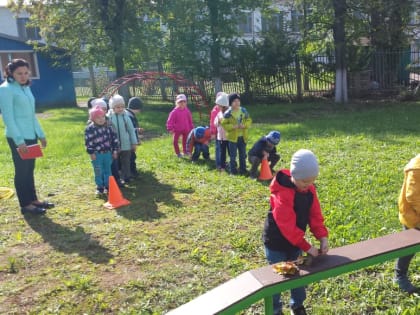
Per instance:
x=17, y=106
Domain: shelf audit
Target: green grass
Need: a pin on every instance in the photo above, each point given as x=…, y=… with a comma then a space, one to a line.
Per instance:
x=189, y=228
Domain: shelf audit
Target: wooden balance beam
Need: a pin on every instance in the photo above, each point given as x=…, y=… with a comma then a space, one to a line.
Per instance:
x=250, y=287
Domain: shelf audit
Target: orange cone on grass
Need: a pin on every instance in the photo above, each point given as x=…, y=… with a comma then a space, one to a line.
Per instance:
x=115, y=197
x=265, y=173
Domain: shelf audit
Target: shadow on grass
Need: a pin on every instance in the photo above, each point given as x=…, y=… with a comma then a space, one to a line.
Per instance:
x=69, y=241
x=210, y=164
x=145, y=194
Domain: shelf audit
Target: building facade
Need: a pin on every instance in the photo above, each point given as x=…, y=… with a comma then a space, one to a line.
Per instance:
x=52, y=83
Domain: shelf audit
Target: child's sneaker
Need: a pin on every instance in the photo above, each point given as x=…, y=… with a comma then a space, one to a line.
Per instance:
x=299, y=311
x=405, y=285
x=99, y=191
x=180, y=155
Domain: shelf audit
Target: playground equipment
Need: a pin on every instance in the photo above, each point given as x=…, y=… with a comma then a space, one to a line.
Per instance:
x=248, y=288
x=180, y=85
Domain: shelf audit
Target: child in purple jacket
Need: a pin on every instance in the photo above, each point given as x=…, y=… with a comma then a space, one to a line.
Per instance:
x=180, y=123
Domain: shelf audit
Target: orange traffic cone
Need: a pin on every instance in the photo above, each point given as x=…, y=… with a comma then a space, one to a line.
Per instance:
x=115, y=197
x=265, y=173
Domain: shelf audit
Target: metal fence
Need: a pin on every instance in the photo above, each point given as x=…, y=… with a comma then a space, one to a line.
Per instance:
x=311, y=76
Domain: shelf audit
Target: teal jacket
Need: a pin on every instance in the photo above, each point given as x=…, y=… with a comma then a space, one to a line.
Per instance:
x=124, y=128
x=17, y=105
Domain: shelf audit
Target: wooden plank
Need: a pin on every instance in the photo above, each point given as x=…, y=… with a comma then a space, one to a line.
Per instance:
x=345, y=255
x=221, y=297
x=254, y=285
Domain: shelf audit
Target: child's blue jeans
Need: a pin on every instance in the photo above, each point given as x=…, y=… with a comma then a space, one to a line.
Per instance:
x=221, y=149
x=234, y=148
x=102, y=168
x=198, y=149
x=298, y=294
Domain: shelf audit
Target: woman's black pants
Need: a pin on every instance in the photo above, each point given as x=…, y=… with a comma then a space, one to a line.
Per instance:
x=24, y=175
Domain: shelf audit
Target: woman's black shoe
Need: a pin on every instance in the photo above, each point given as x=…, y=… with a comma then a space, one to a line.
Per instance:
x=44, y=204
x=35, y=210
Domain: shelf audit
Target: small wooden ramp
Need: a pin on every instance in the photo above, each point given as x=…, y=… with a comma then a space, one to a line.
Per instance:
x=252, y=286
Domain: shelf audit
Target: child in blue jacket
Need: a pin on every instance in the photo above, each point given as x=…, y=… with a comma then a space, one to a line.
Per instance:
x=264, y=148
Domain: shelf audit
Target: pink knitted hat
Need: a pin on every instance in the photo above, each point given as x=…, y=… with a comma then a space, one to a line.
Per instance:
x=96, y=112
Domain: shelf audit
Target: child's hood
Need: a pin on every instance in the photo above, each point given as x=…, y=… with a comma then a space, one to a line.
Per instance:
x=228, y=113
x=414, y=164
x=281, y=180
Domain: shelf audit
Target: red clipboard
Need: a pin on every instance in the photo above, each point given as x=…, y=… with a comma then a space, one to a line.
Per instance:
x=34, y=151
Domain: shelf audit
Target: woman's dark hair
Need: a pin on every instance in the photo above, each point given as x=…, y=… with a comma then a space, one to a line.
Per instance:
x=12, y=66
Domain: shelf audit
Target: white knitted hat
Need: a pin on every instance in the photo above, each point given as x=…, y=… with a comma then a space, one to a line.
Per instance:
x=116, y=100
x=304, y=165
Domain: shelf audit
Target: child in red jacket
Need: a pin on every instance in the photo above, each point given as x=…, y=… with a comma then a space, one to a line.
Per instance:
x=198, y=142
x=294, y=206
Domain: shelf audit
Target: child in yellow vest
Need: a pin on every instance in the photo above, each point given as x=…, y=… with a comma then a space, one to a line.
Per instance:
x=409, y=206
x=236, y=122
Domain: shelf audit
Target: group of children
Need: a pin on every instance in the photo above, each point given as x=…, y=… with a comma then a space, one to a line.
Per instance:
x=229, y=125
x=111, y=139
x=294, y=204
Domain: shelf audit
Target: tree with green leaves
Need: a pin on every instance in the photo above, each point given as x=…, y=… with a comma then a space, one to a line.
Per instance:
x=202, y=32
x=93, y=32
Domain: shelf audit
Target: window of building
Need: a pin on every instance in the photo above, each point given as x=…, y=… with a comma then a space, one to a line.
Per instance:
x=25, y=32
x=294, y=21
x=273, y=23
x=29, y=56
x=246, y=23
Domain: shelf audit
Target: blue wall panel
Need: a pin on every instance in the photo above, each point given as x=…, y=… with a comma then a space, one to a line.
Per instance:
x=55, y=86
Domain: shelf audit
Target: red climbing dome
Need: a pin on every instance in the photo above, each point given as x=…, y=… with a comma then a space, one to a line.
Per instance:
x=182, y=85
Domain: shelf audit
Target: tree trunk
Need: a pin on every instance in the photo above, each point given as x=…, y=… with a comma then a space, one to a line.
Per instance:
x=298, y=71
x=305, y=41
x=341, y=93
x=119, y=65
x=114, y=28
x=162, y=83
x=213, y=6
x=93, y=85
x=218, y=85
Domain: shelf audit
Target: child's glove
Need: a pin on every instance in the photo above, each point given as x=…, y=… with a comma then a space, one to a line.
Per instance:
x=324, y=245
x=313, y=251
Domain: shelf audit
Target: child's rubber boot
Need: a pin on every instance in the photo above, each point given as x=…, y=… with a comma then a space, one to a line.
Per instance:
x=405, y=285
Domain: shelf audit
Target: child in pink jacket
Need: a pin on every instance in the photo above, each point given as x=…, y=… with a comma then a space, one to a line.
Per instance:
x=180, y=123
